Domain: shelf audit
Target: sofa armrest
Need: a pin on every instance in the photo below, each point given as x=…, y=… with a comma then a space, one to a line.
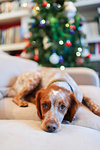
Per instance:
x=84, y=76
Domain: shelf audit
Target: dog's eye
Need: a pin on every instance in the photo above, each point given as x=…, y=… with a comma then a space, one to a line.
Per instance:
x=44, y=105
x=62, y=107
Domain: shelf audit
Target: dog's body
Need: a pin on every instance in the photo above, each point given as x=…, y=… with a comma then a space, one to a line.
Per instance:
x=58, y=99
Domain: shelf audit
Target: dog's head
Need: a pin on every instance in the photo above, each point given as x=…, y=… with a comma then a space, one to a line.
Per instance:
x=54, y=105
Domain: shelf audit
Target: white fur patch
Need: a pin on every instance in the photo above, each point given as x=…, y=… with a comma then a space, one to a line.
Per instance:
x=64, y=85
x=55, y=92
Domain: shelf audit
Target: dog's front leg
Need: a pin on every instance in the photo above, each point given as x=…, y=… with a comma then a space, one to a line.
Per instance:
x=18, y=98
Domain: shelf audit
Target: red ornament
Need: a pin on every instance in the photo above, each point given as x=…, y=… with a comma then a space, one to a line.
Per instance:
x=72, y=27
x=44, y=4
x=79, y=61
x=89, y=55
x=36, y=58
x=28, y=44
x=68, y=43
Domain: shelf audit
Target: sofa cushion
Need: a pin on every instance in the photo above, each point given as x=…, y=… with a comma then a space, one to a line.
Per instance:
x=11, y=66
x=3, y=92
x=91, y=92
x=9, y=110
x=24, y=135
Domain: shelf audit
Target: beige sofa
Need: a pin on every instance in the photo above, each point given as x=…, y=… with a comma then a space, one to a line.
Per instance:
x=20, y=127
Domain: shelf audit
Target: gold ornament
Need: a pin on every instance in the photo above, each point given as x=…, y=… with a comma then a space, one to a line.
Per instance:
x=46, y=43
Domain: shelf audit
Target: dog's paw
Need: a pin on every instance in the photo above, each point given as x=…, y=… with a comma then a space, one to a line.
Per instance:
x=20, y=103
x=23, y=104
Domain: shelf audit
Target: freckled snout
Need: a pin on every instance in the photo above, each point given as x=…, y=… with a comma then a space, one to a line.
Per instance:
x=51, y=126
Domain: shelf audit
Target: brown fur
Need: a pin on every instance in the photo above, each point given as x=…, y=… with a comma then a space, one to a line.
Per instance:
x=91, y=105
x=55, y=96
x=71, y=103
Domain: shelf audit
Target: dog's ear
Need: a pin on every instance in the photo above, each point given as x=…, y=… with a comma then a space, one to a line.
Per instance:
x=74, y=104
x=37, y=101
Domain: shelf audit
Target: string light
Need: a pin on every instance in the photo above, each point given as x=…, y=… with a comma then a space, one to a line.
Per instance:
x=62, y=68
x=67, y=25
x=37, y=8
x=59, y=6
x=78, y=54
x=61, y=42
x=43, y=21
x=80, y=49
x=48, y=5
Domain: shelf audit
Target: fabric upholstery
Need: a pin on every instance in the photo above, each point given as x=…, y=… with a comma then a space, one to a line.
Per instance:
x=84, y=76
x=20, y=127
x=3, y=92
x=9, y=110
x=24, y=135
x=91, y=92
x=10, y=67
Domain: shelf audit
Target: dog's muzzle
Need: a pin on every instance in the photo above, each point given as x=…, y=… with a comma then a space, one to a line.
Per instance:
x=51, y=126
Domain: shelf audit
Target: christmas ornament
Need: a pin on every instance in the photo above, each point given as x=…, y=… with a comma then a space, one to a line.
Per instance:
x=61, y=59
x=55, y=5
x=46, y=43
x=70, y=10
x=72, y=27
x=68, y=43
x=79, y=61
x=54, y=59
x=33, y=43
x=89, y=55
x=42, y=25
x=72, y=31
x=36, y=58
x=28, y=44
x=36, y=52
x=44, y=4
x=85, y=52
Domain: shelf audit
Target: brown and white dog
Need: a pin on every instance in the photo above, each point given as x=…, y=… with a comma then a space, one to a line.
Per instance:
x=58, y=100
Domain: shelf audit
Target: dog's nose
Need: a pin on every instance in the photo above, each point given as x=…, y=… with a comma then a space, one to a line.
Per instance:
x=51, y=126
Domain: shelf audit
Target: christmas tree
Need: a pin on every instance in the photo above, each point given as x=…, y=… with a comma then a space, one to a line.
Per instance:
x=56, y=36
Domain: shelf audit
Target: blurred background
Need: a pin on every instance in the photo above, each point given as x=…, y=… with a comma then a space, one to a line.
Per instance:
x=15, y=34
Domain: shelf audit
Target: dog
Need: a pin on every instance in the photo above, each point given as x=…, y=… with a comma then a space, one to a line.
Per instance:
x=57, y=100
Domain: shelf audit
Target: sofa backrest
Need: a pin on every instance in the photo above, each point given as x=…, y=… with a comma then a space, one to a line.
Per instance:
x=11, y=66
